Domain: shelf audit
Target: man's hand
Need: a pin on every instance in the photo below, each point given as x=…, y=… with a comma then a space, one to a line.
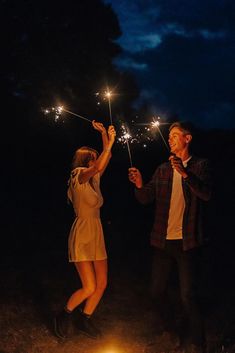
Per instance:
x=177, y=164
x=135, y=177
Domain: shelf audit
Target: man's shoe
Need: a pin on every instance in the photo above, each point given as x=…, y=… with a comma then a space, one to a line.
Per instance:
x=62, y=324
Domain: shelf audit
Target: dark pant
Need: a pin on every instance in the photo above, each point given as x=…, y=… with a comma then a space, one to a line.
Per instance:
x=186, y=263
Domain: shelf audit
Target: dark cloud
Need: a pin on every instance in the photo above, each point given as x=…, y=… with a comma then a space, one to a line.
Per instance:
x=194, y=79
x=195, y=14
x=182, y=54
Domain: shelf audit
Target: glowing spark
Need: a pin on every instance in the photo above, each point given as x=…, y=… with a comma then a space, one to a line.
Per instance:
x=147, y=131
x=125, y=138
x=59, y=110
x=108, y=95
x=156, y=124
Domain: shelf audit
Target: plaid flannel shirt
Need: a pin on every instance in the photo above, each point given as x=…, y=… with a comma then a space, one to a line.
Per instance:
x=196, y=190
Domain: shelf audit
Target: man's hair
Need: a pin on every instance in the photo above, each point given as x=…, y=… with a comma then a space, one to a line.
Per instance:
x=185, y=126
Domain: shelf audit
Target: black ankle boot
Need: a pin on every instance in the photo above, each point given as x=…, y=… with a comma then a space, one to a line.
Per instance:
x=62, y=324
x=85, y=325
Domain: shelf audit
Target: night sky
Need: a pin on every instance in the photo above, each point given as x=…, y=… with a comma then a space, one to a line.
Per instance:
x=169, y=58
x=173, y=59
x=182, y=54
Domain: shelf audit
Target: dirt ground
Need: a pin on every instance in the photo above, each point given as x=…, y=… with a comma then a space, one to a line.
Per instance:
x=29, y=300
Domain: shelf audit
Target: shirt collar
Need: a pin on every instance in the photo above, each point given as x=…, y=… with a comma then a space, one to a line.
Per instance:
x=185, y=163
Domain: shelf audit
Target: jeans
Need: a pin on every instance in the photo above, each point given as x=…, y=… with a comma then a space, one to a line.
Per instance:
x=186, y=263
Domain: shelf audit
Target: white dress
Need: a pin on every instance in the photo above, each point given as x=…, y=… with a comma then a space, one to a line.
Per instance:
x=86, y=239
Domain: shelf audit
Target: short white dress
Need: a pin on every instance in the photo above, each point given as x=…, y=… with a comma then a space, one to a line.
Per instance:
x=86, y=238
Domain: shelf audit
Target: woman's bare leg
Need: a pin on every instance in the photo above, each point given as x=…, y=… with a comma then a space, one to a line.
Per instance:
x=88, y=278
x=101, y=270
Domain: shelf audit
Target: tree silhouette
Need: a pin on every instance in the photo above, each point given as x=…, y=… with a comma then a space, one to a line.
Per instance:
x=61, y=52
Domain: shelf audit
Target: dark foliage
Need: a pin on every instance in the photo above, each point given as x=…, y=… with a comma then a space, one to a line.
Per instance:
x=60, y=51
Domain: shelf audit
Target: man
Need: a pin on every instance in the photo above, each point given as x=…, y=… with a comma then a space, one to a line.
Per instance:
x=180, y=189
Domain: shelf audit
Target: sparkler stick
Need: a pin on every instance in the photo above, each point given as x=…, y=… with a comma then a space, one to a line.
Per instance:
x=58, y=111
x=79, y=116
x=157, y=125
x=125, y=138
x=129, y=152
x=108, y=95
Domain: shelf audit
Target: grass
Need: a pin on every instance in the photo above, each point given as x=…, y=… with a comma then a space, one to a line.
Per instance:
x=30, y=298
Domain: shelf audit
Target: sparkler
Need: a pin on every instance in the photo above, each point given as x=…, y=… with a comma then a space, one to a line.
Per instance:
x=156, y=123
x=107, y=95
x=58, y=111
x=148, y=134
x=125, y=137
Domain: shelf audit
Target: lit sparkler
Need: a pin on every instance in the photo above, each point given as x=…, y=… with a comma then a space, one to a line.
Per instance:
x=106, y=95
x=59, y=110
x=146, y=132
x=125, y=137
x=156, y=124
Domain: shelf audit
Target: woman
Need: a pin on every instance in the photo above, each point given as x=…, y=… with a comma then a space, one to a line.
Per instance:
x=86, y=241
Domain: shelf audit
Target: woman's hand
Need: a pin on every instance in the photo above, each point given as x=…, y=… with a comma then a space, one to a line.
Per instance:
x=98, y=126
x=111, y=133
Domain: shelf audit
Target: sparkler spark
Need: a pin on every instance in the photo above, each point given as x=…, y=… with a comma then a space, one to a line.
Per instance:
x=150, y=130
x=156, y=123
x=125, y=137
x=106, y=96
x=59, y=110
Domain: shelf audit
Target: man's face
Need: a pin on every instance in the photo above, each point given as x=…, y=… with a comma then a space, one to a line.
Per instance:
x=178, y=140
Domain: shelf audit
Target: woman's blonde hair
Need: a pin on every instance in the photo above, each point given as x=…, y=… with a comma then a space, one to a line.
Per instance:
x=83, y=156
